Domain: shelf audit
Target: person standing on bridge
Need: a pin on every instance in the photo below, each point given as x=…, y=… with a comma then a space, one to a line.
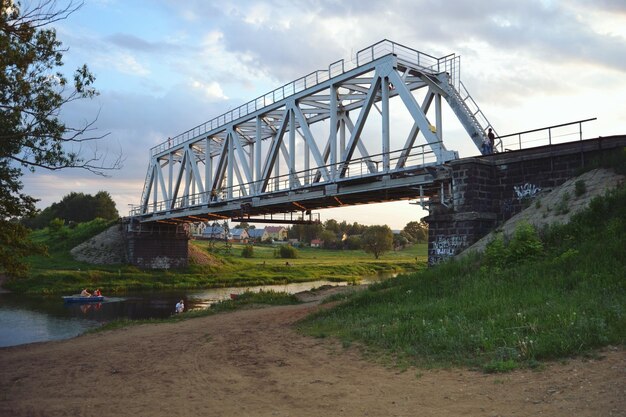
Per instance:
x=492, y=140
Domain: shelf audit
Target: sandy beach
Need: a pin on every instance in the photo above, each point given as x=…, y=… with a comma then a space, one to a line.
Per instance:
x=253, y=363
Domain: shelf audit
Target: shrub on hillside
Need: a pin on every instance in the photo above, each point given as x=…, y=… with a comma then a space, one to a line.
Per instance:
x=287, y=252
x=247, y=251
x=525, y=244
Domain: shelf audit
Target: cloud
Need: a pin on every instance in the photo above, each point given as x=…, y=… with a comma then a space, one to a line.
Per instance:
x=124, y=63
x=136, y=43
x=211, y=90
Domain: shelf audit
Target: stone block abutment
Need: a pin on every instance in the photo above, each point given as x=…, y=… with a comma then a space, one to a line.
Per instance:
x=156, y=245
x=480, y=193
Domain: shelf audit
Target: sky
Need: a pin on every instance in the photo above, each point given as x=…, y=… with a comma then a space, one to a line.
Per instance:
x=165, y=66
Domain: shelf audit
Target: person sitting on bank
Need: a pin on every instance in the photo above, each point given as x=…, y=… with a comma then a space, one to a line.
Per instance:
x=180, y=307
x=85, y=293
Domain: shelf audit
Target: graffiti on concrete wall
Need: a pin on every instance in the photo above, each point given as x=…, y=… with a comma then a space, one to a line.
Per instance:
x=526, y=191
x=445, y=247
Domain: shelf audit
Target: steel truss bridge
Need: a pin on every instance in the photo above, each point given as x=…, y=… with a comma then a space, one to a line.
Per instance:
x=334, y=137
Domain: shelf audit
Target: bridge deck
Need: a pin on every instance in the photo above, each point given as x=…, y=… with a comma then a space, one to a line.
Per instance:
x=375, y=188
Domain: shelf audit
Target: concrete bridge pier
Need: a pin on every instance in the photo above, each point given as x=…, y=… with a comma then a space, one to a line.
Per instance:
x=156, y=245
x=467, y=212
x=482, y=192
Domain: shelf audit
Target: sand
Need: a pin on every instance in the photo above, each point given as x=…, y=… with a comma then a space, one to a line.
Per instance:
x=253, y=363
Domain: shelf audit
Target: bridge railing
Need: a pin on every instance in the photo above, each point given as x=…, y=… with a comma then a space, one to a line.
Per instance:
x=566, y=132
x=449, y=64
x=372, y=165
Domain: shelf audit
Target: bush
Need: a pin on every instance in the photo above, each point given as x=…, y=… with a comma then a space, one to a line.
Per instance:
x=247, y=251
x=56, y=225
x=287, y=252
x=525, y=244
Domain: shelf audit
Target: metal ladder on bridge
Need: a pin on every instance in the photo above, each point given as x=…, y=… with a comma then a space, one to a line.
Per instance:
x=468, y=112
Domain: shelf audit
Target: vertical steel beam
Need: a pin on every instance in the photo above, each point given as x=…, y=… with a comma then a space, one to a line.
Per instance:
x=332, y=139
x=292, y=146
x=385, y=116
x=251, y=181
x=342, y=133
x=438, y=120
x=231, y=163
x=208, y=169
x=307, y=162
x=257, y=157
x=154, y=184
x=170, y=163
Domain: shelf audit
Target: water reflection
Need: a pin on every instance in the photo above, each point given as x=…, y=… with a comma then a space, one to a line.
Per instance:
x=25, y=319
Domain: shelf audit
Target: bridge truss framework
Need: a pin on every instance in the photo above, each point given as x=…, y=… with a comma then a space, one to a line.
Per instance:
x=324, y=140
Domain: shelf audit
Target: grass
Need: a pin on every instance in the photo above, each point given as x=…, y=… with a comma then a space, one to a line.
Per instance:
x=566, y=297
x=60, y=273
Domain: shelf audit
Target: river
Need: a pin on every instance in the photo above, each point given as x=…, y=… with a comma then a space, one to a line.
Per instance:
x=29, y=319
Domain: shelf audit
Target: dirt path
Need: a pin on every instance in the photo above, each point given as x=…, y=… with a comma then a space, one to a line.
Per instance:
x=252, y=363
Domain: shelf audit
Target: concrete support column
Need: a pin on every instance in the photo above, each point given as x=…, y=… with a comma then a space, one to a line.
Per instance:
x=156, y=245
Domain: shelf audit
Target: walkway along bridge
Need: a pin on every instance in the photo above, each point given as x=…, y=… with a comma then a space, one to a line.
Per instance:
x=324, y=140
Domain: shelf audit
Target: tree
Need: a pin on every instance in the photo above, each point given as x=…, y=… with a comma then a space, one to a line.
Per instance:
x=418, y=231
x=242, y=225
x=332, y=225
x=353, y=243
x=329, y=238
x=32, y=135
x=104, y=206
x=377, y=240
x=76, y=207
x=305, y=232
x=399, y=241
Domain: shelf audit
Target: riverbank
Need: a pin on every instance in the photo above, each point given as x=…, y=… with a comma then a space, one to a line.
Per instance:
x=253, y=362
x=224, y=267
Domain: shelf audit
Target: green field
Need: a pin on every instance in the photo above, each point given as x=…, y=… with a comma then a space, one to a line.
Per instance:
x=60, y=273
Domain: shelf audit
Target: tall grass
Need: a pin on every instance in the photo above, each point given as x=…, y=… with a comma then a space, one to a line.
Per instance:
x=514, y=306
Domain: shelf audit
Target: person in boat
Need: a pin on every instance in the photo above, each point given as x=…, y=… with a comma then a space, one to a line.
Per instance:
x=97, y=293
x=180, y=307
x=85, y=293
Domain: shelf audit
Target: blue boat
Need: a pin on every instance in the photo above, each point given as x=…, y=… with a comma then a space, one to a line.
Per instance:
x=77, y=298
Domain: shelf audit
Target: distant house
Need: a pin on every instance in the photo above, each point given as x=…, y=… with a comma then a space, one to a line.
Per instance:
x=257, y=235
x=276, y=232
x=316, y=243
x=238, y=236
x=214, y=232
x=196, y=229
x=294, y=242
